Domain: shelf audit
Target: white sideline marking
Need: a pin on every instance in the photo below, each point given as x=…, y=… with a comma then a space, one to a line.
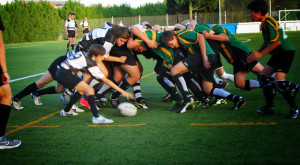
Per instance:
x=14, y=47
x=22, y=78
x=247, y=40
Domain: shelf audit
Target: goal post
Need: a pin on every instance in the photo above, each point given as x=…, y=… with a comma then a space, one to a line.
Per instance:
x=289, y=19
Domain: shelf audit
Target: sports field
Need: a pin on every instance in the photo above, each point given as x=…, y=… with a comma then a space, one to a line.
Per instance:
x=217, y=135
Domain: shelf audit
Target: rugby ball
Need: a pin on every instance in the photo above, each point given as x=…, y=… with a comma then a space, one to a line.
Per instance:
x=127, y=109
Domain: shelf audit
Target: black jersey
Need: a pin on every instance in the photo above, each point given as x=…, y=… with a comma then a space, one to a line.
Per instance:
x=78, y=61
x=102, y=36
x=1, y=25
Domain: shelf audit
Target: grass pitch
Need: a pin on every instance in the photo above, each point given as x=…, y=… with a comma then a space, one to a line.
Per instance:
x=217, y=135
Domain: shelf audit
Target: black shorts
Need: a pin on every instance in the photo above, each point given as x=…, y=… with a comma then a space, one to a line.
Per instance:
x=215, y=45
x=117, y=51
x=86, y=30
x=195, y=64
x=240, y=63
x=54, y=66
x=179, y=55
x=66, y=78
x=282, y=60
x=71, y=33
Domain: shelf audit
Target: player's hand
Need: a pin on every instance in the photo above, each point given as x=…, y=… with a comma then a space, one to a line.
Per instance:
x=152, y=44
x=67, y=33
x=5, y=78
x=206, y=64
x=75, y=35
x=170, y=66
x=129, y=95
x=123, y=59
x=255, y=55
x=205, y=34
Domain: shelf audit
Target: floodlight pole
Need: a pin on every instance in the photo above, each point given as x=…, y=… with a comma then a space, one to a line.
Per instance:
x=220, y=18
x=270, y=6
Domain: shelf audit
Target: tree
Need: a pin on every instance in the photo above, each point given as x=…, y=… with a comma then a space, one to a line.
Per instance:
x=200, y=5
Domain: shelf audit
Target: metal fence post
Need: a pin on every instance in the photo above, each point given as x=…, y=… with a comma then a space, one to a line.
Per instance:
x=196, y=16
x=167, y=19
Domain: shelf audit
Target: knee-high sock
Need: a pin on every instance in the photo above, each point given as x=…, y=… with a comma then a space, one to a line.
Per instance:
x=26, y=91
x=250, y=84
x=74, y=98
x=227, y=76
x=4, y=116
x=288, y=91
x=123, y=85
x=91, y=100
x=136, y=87
x=221, y=93
x=167, y=83
x=181, y=84
x=49, y=90
x=102, y=90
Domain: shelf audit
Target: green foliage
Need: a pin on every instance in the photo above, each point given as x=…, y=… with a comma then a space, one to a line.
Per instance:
x=29, y=21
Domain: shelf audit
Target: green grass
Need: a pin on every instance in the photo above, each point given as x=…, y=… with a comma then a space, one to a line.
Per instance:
x=167, y=137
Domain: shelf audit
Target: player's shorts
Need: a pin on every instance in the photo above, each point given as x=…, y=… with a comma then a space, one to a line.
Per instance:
x=282, y=60
x=195, y=64
x=240, y=63
x=117, y=51
x=86, y=30
x=215, y=45
x=66, y=78
x=179, y=55
x=71, y=33
x=1, y=76
x=54, y=66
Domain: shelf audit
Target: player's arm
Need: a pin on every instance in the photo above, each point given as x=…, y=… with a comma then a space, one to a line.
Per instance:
x=131, y=43
x=202, y=46
x=219, y=37
x=3, y=60
x=137, y=32
x=114, y=86
x=81, y=25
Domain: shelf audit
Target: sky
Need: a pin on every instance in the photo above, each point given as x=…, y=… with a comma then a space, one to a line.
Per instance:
x=132, y=3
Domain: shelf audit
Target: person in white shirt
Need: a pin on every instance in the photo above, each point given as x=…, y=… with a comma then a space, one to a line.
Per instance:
x=71, y=31
x=85, y=26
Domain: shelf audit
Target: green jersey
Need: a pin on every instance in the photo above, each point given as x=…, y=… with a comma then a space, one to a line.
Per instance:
x=189, y=40
x=273, y=32
x=165, y=53
x=232, y=43
x=200, y=27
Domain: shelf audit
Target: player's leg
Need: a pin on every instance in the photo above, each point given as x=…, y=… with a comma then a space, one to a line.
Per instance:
x=5, y=109
x=44, y=80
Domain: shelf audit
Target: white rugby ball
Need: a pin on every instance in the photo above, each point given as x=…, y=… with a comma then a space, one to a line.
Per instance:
x=127, y=109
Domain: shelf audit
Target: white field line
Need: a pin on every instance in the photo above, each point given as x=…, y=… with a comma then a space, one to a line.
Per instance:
x=15, y=47
x=22, y=78
x=247, y=40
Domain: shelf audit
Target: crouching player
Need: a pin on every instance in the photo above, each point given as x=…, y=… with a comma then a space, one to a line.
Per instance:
x=88, y=64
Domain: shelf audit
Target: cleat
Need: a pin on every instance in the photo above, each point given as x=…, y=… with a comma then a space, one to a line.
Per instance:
x=99, y=103
x=6, y=143
x=76, y=109
x=224, y=84
x=16, y=104
x=64, y=98
x=167, y=98
x=266, y=110
x=84, y=103
x=202, y=105
x=36, y=99
x=185, y=105
x=101, y=120
x=239, y=103
x=142, y=104
x=219, y=102
x=70, y=113
x=103, y=99
x=114, y=102
x=176, y=105
x=293, y=114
